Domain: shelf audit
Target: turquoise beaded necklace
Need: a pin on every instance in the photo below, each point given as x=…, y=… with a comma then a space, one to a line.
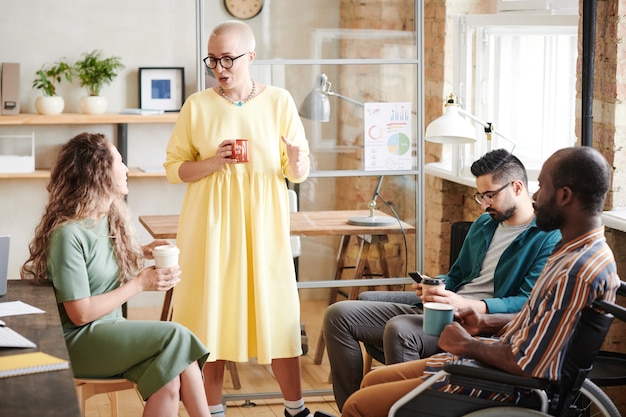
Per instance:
x=239, y=103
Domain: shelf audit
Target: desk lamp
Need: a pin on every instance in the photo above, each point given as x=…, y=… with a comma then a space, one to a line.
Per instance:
x=372, y=219
x=316, y=106
x=453, y=128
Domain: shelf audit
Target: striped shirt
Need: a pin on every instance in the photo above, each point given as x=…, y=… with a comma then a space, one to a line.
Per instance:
x=576, y=274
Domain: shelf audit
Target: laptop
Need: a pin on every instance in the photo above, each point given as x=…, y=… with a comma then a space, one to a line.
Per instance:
x=4, y=262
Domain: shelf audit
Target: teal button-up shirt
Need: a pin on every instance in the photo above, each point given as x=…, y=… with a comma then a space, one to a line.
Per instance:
x=517, y=270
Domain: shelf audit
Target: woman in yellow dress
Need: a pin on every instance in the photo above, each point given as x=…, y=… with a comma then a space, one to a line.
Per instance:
x=238, y=290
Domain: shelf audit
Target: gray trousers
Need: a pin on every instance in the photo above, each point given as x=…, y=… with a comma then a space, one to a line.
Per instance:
x=397, y=327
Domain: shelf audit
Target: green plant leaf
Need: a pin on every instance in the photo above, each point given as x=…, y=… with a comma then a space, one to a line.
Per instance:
x=94, y=71
x=50, y=76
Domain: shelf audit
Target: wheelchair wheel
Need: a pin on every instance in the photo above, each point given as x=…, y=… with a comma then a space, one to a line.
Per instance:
x=506, y=411
x=592, y=402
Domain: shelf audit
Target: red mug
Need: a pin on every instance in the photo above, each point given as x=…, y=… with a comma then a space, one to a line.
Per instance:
x=240, y=150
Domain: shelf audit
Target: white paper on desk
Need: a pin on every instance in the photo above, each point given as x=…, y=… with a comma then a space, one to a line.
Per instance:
x=12, y=339
x=16, y=308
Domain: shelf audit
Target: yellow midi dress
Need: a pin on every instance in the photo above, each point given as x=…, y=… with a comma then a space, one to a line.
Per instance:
x=238, y=290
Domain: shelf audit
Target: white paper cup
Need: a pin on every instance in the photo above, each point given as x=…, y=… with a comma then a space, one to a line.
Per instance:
x=429, y=283
x=165, y=256
x=436, y=317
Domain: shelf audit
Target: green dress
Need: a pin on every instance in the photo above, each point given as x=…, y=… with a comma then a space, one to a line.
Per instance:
x=81, y=263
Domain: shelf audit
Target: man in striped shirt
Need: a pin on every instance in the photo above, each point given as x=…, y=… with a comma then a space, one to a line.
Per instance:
x=572, y=187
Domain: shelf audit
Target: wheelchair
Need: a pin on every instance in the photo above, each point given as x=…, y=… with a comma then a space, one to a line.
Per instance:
x=573, y=395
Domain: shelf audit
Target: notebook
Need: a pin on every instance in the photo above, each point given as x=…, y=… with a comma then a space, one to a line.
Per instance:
x=4, y=262
x=30, y=363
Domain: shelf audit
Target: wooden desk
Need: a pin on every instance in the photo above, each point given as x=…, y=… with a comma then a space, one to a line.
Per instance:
x=304, y=223
x=323, y=223
x=50, y=394
x=320, y=223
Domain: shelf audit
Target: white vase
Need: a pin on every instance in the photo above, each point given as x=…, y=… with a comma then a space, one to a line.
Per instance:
x=49, y=105
x=93, y=104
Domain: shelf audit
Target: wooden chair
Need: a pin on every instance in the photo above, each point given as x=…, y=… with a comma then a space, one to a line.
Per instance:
x=88, y=387
x=166, y=315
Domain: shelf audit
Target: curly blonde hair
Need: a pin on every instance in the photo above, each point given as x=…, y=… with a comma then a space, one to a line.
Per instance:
x=81, y=185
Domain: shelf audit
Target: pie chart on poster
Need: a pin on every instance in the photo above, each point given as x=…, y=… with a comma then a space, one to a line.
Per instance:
x=398, y=144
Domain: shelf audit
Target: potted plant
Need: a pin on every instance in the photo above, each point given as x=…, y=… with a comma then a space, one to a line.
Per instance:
x=94, y=71
x=47, y=79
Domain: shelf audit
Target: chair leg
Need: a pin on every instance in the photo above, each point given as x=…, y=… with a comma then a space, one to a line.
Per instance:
x=166, y=310
x=115, y=411
x=81, y=399
x=234, y=374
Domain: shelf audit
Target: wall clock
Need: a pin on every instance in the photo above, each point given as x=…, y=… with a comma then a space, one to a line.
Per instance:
x=243, y=9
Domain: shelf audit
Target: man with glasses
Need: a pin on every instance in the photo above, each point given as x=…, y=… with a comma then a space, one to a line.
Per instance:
x=499, y=262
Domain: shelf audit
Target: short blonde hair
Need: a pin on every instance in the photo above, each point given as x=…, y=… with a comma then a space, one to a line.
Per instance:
x=234, y=27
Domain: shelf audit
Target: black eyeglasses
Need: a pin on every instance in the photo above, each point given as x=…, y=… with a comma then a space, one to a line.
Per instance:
x=226, y=61
x=489, y=195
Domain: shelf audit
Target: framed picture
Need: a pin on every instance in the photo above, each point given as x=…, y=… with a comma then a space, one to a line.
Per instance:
x=161, y=88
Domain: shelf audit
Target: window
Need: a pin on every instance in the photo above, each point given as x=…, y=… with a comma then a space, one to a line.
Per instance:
x=519, y=73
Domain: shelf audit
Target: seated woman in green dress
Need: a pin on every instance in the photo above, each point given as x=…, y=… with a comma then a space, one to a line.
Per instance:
x=85, y=245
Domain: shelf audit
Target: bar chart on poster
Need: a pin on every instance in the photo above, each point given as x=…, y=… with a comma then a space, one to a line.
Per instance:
x=387, y=128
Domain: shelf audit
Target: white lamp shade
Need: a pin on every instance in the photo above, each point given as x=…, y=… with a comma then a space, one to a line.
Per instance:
x=450, y=128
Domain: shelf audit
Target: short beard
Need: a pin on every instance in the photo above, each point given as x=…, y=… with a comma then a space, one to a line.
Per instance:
x=549, y=217
x=502, y=217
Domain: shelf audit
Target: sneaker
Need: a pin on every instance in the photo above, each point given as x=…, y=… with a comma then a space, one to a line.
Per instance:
x=303, y=413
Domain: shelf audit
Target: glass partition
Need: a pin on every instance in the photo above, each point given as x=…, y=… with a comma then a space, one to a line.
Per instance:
x=364, y=60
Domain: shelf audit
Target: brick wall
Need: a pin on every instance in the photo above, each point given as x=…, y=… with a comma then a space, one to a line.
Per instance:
x=446, y=202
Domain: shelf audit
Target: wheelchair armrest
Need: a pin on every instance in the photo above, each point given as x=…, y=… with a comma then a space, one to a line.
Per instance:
x=611, y=308
x=614, y=309
x=476, y=370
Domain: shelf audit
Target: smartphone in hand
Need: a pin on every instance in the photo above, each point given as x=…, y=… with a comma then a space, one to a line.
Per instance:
x=417, y=277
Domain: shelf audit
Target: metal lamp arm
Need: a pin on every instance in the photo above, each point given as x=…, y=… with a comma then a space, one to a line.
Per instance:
x=348, y=99
x=487, y=125
x=324, y=87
